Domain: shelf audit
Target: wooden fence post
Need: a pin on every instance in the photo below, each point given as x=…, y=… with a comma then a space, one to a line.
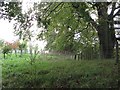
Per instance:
x=117, y=52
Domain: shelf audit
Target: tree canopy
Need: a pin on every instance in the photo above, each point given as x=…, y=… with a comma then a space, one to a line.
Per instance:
x=75, y=16
x=69, y=26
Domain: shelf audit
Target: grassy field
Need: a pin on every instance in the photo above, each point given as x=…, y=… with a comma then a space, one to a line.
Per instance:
x=58, y=72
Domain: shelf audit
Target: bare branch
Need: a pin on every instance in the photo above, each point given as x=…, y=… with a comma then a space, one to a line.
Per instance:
x=118, y=12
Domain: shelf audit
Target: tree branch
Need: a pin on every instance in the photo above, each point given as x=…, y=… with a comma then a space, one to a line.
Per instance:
x=118, y=12
x=117, y=7
x=53, y=10
x=94, y=23
x=113, y=9
x=48, y=8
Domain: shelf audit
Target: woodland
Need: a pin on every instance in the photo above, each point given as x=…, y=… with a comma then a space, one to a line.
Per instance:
x=81, y=43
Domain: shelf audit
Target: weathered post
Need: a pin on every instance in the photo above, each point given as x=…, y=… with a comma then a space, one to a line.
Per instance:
x=117, y=52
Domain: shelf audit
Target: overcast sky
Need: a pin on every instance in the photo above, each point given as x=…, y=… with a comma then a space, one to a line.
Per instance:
x=6, y=31
x=6, y=28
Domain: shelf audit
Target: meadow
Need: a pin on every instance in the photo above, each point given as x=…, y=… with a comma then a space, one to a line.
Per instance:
x=55, y=71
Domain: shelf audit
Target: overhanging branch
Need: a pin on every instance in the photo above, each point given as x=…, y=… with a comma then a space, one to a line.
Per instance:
x=118, y=12
x=113, y=9
x=53, y=10
x=95, y=25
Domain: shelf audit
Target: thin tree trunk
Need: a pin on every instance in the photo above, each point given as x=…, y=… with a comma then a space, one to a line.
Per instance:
x=15, y=52
x=20, y=52
x=4, y=55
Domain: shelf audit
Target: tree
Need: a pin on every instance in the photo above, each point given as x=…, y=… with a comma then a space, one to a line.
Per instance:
x=23, y=24
x=14, y=46
x=104, y=25
x=55, y=14
x=10, y=10
x=64, y=31
x=5, y=50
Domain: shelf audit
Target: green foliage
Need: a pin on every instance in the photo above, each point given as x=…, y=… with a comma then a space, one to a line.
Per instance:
x=6, y=49
x=10, y=9
x=64, y=23
x=89, y=53
x=13, y=11
x=76, y=17
x=22, y=46
x=23, y=25
x=1, y=44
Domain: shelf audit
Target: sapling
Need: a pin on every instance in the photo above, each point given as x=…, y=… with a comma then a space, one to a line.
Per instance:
x=33, y=53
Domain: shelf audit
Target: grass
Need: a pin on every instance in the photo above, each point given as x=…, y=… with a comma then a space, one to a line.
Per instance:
x=59, y=72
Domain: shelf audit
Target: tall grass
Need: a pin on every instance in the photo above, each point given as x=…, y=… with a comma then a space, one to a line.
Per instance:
x=59, y=72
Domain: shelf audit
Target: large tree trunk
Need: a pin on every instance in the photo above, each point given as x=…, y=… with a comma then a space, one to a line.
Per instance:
x=106, y=32
x=106, y=40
